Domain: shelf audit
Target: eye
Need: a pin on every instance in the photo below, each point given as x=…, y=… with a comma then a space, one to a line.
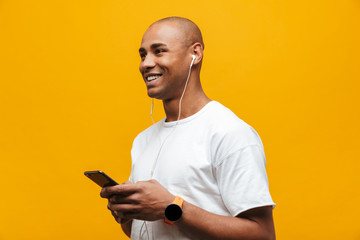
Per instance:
x=142, y=56
x=159, y=50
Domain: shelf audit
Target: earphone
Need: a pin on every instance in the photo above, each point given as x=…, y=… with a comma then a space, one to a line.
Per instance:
x=192, y=62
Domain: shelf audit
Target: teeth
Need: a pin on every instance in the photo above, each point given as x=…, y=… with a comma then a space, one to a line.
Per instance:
x=153, y=77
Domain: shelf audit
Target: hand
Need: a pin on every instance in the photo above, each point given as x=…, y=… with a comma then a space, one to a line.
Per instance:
x=118, y=219
x=144, y=200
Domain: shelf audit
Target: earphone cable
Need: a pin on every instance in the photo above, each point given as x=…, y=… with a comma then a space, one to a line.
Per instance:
x=177, y=122
x=162, y=144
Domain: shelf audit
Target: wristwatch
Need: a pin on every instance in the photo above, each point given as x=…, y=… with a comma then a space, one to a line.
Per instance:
x=174, y=211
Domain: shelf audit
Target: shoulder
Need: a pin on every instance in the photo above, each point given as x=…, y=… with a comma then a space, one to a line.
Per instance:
x=224, y=122
x=229, y=133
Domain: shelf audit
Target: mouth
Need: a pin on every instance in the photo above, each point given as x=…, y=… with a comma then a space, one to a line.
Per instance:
x=152, y=77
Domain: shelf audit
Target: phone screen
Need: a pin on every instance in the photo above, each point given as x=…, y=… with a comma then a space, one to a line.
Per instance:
x=100, y=178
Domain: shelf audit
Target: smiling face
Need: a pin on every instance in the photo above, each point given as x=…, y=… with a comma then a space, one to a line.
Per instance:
x=165, y=60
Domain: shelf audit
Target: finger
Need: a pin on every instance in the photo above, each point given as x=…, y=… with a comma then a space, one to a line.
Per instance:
x=120, y=209
x=117, y=218
x=114, y=214
x=104, y=193
x=117, y=214
x=127, y=211
x=124, y=189
x=109, y=207
x=107, y=192
x=121, y=199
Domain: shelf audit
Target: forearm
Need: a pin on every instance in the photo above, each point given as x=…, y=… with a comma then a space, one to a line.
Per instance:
x=126, y=227
x=205, y=225
x=148, y=200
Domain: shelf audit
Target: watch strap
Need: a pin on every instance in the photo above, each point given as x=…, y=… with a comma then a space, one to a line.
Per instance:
x=178, y=201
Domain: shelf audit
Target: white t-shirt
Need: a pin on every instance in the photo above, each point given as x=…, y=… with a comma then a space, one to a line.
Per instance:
x=211, y=159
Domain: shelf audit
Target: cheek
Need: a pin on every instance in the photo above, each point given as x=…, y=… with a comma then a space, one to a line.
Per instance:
x=171, y=68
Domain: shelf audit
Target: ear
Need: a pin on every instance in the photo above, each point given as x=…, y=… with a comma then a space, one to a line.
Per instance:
x=197, y=50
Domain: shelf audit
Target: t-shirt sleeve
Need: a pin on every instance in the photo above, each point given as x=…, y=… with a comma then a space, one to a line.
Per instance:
x=242, y=180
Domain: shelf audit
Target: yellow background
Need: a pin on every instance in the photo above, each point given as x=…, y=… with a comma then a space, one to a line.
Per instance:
x=71, y=99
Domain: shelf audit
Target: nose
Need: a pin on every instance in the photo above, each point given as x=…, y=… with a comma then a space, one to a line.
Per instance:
x=148, y=62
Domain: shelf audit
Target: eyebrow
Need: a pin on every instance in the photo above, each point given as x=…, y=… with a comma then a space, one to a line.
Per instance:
x=153, y=46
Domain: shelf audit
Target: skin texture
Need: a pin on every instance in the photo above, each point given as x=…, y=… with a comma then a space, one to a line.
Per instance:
x=166, y=50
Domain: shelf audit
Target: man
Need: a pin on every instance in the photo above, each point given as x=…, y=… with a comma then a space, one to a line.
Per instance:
x=200, y=172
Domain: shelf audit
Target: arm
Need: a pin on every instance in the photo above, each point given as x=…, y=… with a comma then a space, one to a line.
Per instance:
x=147, y=201
x=255, y=223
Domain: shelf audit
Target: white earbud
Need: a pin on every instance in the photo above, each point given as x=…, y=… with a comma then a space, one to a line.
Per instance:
x=193, y=59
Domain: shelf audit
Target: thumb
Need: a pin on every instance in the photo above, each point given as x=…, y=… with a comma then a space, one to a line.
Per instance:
x=127, y=182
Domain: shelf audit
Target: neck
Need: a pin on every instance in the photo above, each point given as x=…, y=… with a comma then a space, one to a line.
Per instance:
x=193, y=101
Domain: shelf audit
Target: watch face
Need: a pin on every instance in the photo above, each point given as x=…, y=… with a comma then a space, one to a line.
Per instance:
x=173, y=212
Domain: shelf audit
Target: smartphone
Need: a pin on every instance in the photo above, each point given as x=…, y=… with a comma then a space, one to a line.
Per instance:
x=100, y=178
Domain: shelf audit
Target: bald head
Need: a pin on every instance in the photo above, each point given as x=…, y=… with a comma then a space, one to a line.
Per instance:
x=189, y=31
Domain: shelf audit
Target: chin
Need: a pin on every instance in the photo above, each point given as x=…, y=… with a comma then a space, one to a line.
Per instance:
x=154, y=95
x=159, y=95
